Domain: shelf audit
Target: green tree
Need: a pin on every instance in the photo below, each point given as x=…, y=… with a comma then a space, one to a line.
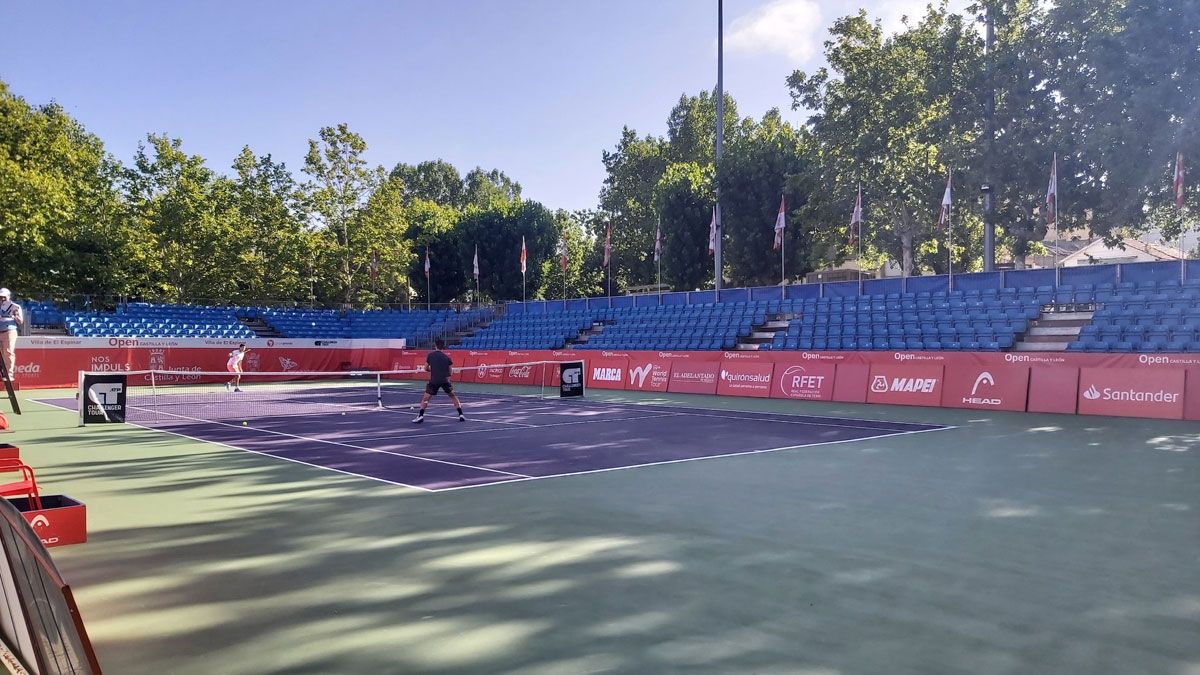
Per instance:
x=685, y=198
x=271, y=221
x=432, y=228
x=489, y=189
x=756, y=172
x=1128, y=77
x=338, y=192
x=498, y=233
x=436, y=181
x=887, y=122
x=188, y=213
x=633, y=169
x=61, y=224
x=583, y=276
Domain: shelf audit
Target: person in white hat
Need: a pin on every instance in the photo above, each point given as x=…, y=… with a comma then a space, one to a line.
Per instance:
x=10, y=319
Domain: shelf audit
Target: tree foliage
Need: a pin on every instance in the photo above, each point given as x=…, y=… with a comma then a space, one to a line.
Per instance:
x=1112, y=87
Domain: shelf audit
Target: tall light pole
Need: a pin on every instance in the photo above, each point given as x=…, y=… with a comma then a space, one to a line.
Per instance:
x=720, y=141
x=989, y=126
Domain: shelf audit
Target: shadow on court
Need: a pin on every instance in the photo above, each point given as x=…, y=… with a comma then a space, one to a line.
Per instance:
x=1013, y=544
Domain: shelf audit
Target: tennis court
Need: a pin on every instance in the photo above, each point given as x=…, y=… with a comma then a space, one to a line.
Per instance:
x=506, y=437
x=627, y=532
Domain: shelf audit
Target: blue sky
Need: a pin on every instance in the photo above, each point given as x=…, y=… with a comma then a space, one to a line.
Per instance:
x=536, y=88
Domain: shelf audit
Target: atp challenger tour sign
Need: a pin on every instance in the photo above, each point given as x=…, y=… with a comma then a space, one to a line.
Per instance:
x=571, y=374
x=103, y=399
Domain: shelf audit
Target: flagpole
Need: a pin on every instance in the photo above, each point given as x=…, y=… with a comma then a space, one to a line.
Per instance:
x=860, y=242
x=782, y=259
x=950, y=238
x=1057, y=269
x=658, y=258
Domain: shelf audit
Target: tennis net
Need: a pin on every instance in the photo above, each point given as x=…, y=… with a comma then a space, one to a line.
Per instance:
x=165, y=395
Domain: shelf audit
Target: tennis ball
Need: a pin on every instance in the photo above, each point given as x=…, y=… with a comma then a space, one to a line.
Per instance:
x=343, y=413
x=243, y=424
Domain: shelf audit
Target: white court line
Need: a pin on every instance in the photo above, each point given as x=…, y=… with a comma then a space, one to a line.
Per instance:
x=795, y=419
x=802, y=421
x=344, y=445
x=264, y=454
x=687, y=459
x=497, y=431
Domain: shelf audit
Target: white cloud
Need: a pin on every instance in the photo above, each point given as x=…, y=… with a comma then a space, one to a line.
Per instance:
x=792, y=28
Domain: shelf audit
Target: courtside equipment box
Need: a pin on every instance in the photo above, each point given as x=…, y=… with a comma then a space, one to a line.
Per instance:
x=60, y=521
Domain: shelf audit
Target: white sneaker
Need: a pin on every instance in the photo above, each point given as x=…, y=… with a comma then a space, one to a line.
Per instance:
x=238, y=390
x=420, y=418
x=462, y=418
x=228, y=387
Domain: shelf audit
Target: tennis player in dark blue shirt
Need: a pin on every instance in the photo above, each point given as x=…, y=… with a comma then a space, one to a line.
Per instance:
x=439, y=378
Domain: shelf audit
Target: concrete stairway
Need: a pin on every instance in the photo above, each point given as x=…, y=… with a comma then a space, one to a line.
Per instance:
x=1053, y=331
x=762, y=334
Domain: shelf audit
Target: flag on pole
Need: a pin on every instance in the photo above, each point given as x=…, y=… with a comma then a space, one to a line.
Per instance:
x=945, y=212
x=373, y=265
x=712, y=234
x=1052, y=192
x=658, y=242
x=780, y=223
x=476, y=262
x=856, y=217
x=562, y=254
x=522, y=256
x=1178, y=186
x=426, y=262
x=608, y=245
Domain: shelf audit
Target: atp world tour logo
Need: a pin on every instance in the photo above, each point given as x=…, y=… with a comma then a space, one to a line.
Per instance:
x=637, y=376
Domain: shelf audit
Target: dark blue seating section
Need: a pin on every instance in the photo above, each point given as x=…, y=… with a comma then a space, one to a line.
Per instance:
x=42, y=314
x=146, y=320
x=700, y=326
x=1145, y=317
x=543, y=331
x=417, y=326
x=973, y=320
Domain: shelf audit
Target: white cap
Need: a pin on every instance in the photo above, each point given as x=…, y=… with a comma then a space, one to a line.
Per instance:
x=4, y=293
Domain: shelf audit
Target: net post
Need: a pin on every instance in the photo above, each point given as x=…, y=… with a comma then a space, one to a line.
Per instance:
x=80, y=397
x=154, y=393
x=378, y=391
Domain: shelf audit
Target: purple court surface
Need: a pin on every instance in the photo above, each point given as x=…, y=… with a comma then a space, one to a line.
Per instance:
x=505, y=439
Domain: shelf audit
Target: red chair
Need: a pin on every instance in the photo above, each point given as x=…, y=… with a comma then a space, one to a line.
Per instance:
x=27, y=486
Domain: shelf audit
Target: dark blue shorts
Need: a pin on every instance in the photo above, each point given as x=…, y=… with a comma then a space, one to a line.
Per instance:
x=432, y=388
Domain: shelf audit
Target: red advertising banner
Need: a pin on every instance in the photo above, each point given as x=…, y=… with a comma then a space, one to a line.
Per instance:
x=1053, y=390
x=648, y=374
x=528, y=374
x=490, y=369
x=991, y=388
x=1131, y=392
x=850, y=385
x=469, y=373
x=606, y=372
x=745, y=378
x=804, y=380
x=906, y=384
x=959, y=379
x=694, y=377
x=1191, y=398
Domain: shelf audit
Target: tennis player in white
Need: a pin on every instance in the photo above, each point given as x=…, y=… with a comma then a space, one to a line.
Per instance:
x=234, y=365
